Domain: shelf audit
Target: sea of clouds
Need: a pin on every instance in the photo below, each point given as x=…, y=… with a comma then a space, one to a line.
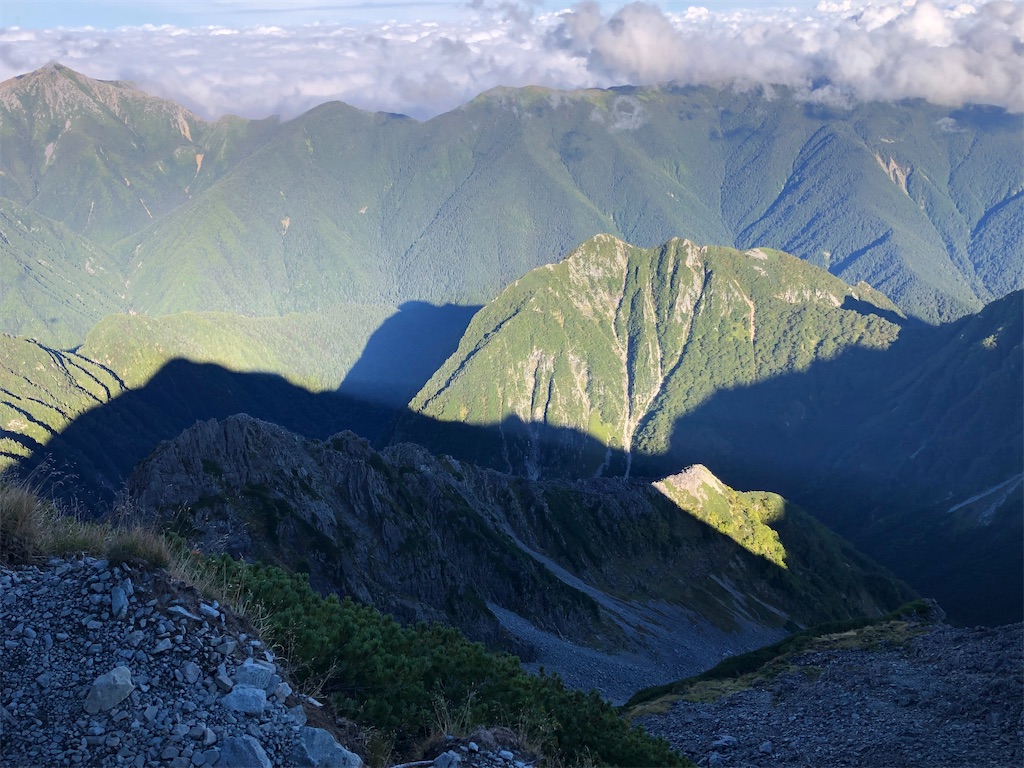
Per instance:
x=947, y=53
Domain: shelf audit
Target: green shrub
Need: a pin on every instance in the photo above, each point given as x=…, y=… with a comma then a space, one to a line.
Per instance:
x=393, y=678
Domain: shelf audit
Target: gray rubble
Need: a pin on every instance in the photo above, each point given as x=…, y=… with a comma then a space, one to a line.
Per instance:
x=108, y=666
x=951, y=697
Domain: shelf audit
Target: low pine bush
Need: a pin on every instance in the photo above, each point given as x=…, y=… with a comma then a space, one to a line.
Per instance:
x=390, y=677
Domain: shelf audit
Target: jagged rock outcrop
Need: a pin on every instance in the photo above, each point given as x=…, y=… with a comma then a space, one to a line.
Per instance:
x=612, y=584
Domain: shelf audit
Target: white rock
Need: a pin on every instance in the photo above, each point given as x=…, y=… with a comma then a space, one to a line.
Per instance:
x=247, y=699
x=242, y=752
x=318, y=748
x=118, y=602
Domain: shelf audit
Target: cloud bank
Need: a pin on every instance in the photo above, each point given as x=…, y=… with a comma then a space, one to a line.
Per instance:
x=949, y=54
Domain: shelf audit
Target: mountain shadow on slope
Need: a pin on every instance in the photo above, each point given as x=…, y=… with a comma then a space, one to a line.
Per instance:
x=595, y=535
x=913, y=453
x=853, y=304
x=403, y=353
x=91, y=457
x=871, y=441
x=879, y=445
x=89, y=460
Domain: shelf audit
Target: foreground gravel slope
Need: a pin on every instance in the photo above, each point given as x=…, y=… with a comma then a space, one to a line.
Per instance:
x=110, y=666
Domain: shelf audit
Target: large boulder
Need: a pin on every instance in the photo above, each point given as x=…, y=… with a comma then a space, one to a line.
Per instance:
x=109, y=690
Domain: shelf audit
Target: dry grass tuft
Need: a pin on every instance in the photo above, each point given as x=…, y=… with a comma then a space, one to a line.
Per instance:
x=32, y=528
x=140, y=545
x=24, y=522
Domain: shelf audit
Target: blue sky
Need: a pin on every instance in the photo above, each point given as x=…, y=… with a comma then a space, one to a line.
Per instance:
x=264, y=57
x=110, y=14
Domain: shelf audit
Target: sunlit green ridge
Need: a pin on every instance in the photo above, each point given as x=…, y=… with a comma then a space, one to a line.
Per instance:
x=618, y=342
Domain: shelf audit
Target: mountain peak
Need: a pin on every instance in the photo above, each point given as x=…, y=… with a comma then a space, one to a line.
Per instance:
x=695, y=480
x=54, y=80
x=55, y=91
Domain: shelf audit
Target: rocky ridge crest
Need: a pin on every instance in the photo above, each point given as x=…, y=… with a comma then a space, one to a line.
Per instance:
x=609, y=583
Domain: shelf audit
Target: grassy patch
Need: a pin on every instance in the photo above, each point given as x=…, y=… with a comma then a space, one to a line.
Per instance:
x=32, y=528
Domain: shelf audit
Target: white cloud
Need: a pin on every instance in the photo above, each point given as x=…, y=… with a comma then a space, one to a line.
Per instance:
x=949, y=53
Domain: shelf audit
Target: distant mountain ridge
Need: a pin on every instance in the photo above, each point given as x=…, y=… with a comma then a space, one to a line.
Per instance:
x=341, y=206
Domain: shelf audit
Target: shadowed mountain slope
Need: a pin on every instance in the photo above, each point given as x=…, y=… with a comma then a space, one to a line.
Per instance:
x=377, y=355
x=641, y=578
x=656, y=580
x=404, y=351
x=916, y=454
x=771, y=373
x=42, y=390
x=97, y=450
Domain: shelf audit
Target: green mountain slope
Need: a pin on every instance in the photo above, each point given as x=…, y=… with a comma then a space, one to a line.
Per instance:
x=282, y=233
x=618, y=342
x=646, y=577
x=457, y=207
x=341, y=206
x=54, y=284
x=312, y=350
x=86, y=164
x=104, y=158
x=101, y=158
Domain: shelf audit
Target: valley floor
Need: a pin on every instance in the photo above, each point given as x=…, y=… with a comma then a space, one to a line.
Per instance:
x=949, y=697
